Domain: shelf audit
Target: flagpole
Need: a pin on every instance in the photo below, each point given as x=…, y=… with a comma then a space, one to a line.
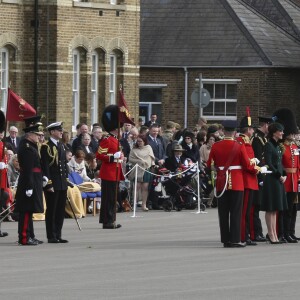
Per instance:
x=117, y=167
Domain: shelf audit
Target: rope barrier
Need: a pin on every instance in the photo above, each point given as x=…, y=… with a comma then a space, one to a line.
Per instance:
x=135, y=168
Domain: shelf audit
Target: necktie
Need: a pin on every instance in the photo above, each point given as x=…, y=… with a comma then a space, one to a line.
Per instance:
x=14, y=142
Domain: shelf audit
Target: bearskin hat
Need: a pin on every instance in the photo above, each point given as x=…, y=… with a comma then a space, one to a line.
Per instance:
x=245, y=123
x=287, y=118
x=110, y=118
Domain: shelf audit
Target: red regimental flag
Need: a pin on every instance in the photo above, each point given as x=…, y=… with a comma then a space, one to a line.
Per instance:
x=124, y=115
x=18, y=108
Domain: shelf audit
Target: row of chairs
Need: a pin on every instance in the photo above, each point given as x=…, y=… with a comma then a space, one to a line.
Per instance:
x=75, y=178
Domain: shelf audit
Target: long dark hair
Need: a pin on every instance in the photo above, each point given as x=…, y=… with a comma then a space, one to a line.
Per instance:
x=142, y=137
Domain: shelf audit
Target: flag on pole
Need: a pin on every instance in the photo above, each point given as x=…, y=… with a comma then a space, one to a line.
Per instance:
x=124, y=114
x=18, y=108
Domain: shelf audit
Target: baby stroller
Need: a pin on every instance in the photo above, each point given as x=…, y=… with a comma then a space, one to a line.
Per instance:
x=158, y=198
x=182, y=194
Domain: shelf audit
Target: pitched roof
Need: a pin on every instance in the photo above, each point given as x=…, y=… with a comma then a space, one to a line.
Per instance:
x=225, y=33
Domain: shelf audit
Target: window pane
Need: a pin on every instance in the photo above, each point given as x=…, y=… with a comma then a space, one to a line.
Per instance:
x=210, y=88
x=231, y=91
x=219, y=91
x=231, y=109
x=209, y=109
x=219, y=108
x=150, y=95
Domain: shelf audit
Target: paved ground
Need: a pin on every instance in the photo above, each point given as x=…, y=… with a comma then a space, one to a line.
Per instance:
x=157, y=255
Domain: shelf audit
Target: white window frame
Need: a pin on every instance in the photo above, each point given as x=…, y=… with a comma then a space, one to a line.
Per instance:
x=226, y=100
x=112, y=78
x=76, y=88
x=94, y=87
x=4, y=77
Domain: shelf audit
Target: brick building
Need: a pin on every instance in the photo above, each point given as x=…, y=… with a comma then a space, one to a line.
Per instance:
x=248, y=53
x=71, y=65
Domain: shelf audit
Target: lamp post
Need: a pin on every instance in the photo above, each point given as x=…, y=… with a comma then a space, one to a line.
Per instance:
x=36, y=54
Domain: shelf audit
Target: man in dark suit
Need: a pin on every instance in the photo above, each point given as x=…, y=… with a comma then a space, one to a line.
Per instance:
x=13, y=139
x=152, y=121
x=156, y=144
x=54, y=165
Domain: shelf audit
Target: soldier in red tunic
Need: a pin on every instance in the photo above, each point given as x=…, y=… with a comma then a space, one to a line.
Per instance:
x=3, y=171
x=250, y=179
x=290, y=163
x=111, y=170
x=229, y=158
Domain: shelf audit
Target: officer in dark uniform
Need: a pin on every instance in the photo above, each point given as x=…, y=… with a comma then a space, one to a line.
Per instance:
x=54, y=164
x=111, y=169
x=258, y=142
x=29, y=195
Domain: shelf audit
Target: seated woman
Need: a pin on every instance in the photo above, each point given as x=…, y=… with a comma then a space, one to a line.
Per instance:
x=91, y=169
x=74, y=195
x=91, y=165
x=13, y=171
x=77, y=164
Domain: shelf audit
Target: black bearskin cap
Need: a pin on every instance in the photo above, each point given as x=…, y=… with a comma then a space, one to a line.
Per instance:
x=2, y=121
x=110, y=118
x=245, y=123
x=287, y=118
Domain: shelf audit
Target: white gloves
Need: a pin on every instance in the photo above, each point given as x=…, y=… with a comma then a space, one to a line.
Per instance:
x=180, y=140
x=261, y=183
x=117, y=155
x=257, y=161
x=263, y=170
x=3, y=165
x=45, y=181
x=29, y=193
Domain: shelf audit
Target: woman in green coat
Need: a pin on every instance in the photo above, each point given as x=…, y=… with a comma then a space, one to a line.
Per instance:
x=274, y=197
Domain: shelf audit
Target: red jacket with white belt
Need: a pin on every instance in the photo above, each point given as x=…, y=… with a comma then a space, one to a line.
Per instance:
x=219, y=155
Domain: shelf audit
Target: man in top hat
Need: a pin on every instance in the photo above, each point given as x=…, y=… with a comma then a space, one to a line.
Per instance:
x=111, y=169
x=29, y=195
x=246, y=130
x=258, y=142
x=291, y=165
x=54, y=163
x=229, y=158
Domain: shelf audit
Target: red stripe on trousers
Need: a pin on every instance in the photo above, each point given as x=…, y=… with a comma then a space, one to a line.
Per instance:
x=244, y=212
x=251, y=221
x=25, y=228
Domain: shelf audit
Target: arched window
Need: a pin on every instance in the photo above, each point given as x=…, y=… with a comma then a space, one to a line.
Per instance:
x=4, y=68
x=94, y=87
x=112, y=77
x=76, y=88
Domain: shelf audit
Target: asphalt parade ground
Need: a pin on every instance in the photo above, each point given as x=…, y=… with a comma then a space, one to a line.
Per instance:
x=156, y=255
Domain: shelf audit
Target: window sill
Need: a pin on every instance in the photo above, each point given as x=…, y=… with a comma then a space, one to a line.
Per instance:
x=10, y=1
x=121, y=7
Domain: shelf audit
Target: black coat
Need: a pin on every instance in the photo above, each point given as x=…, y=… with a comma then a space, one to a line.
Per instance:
x=54, y=165
x=191, y=153
x=172, y=164
x=274, y=196
x=158, y=148
x=30, y=179
x=83, y=148
x=9, y=141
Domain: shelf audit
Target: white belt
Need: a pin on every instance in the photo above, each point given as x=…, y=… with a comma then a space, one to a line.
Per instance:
x=231, y=168
x=118, y=160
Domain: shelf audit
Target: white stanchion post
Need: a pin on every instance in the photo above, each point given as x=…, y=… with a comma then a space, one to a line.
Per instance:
x=135, y=192
x=198, y=192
